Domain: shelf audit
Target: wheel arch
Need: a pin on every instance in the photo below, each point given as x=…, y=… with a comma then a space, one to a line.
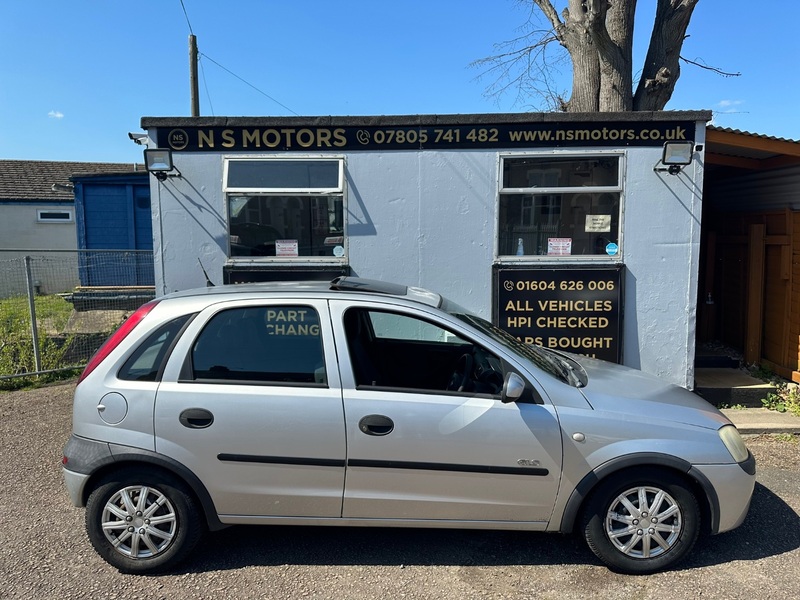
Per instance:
x=705, y=493
x=126, y=457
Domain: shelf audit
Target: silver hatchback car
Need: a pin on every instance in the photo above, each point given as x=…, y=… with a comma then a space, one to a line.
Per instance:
x=359, y=402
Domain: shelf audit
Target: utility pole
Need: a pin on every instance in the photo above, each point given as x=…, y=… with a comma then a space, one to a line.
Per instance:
x=193, y=76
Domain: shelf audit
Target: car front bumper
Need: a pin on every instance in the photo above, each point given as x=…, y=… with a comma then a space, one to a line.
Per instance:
x=733, y=486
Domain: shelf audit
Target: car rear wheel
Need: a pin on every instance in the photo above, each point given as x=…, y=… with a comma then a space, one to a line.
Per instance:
x=638, y=522
x=142, y=522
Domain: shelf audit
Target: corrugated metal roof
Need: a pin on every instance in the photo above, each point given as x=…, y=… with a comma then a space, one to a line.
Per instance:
x=32, y=180
x=733, y=149
x=754, y=135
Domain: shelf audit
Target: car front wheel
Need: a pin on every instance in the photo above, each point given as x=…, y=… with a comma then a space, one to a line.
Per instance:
x=638, y=522
x=142, y=522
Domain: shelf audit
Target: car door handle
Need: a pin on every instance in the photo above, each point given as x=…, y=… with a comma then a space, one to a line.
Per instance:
x=196, y=418
x=376, y=425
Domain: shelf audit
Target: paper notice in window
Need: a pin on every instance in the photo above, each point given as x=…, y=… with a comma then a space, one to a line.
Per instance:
x=598, y=223
x=286, y=248
x=559, y=246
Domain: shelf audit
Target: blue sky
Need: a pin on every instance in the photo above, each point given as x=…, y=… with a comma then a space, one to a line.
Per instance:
x=77, y=76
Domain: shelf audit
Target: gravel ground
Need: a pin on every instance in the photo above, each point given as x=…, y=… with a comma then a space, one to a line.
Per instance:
x=45, y=552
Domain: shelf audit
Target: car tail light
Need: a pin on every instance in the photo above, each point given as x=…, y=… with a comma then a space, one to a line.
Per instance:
x=117, y=337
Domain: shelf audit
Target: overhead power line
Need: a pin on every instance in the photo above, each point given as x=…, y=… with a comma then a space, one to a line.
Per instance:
x=205, y=85
x=187, y=17
x=263, y=93
x=205, y=79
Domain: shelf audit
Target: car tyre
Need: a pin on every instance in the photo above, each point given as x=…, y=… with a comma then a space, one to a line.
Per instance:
x=639, y=522
x=143, y=521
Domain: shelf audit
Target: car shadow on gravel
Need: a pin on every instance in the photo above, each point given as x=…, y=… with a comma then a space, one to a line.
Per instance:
x=243, y=546
x=771, y=528
x=279, y=545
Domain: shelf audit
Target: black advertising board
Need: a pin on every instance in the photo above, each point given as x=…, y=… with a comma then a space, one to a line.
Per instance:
x=575, y=310
x=310, y=137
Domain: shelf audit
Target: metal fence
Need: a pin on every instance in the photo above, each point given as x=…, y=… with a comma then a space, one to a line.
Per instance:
x=58, y=307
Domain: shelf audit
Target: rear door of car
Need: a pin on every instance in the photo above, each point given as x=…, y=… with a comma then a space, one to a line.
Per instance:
x=251, y=403
x=420, y=452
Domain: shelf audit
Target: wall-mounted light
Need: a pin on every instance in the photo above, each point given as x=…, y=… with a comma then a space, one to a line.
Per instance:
x=676, y=155
x=159, y=162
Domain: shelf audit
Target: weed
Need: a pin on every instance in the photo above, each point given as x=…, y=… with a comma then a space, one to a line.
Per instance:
x=786, y=398
x=725, y=405
x=761, y=372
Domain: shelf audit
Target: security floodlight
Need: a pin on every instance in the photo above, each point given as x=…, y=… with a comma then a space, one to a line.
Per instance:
x=675, y=156
x=159, y=162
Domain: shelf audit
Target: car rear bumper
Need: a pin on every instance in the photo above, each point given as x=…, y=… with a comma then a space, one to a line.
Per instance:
x=82, y=457
x=75, y=482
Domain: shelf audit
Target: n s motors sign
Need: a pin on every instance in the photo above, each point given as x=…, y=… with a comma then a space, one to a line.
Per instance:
x=310, y=137
x=573, y=310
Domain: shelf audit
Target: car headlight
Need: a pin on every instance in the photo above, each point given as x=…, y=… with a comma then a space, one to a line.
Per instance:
x=733, y=441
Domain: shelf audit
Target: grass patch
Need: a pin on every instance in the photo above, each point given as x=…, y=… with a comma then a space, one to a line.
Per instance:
x=16, y=340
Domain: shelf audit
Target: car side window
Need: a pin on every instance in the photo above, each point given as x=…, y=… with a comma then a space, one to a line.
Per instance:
x=147, y=360
x=394, y=350
x=402, y=327
x=262, y=344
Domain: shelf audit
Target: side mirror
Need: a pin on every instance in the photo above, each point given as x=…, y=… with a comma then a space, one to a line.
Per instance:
x=513, y=388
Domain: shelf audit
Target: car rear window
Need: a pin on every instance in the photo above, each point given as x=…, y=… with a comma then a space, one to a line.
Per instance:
x=268, y=344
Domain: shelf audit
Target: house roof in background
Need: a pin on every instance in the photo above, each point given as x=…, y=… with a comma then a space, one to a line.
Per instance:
x=32, y=180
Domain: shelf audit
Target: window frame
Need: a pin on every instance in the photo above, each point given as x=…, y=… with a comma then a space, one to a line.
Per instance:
x=460, y=339
x=552, y=191
x=309, y=192
x=68, y=211
x=189, y=373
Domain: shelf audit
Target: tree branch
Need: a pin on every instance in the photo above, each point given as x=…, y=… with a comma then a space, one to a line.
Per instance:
x=529, y=70
x=525, y=64
x=550, y=12
x=709, y=68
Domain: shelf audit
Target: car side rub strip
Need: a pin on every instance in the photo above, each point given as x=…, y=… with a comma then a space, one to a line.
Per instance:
x=384, y=464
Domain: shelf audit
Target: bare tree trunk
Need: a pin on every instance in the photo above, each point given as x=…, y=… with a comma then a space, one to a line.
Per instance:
x=598, y=36
x=585, y=79
x=613, y=32
x=662, y=68
x=573, y=33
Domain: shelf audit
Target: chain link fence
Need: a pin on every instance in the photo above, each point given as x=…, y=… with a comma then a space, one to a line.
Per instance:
x=58, y=307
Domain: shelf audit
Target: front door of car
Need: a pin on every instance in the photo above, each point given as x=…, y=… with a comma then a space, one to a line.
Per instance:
x=419, y=451
x=251, y=403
